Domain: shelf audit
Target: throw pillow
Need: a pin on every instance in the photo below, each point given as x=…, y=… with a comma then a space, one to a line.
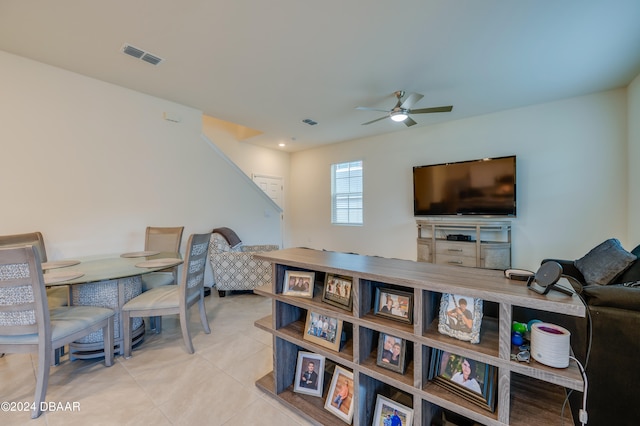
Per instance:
x=632, y=273
x=604, y=262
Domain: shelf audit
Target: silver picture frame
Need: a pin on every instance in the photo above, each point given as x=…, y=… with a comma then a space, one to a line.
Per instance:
x=460, y=317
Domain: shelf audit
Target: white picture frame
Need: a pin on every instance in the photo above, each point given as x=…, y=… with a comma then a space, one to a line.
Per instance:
x=309, y=377
x=342, y=407
x=386, y=408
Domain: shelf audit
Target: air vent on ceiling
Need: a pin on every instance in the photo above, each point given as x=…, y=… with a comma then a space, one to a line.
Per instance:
x=141, y=54
x=309, y=121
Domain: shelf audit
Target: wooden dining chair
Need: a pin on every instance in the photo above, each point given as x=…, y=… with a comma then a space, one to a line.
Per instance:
x=27, y=324
x=56, y=296
x=163, y=240
x=174, y=299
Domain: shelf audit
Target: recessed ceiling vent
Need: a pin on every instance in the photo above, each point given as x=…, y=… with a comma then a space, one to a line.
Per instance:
x=141, y=54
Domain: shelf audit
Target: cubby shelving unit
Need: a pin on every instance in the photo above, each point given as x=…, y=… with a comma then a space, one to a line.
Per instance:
x=527, y=394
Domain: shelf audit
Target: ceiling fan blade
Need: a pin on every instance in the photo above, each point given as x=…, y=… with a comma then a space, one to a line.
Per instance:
x=372, y=109
x=433, y=109
x=377, y=119
x=411, y=100
x=409, y=122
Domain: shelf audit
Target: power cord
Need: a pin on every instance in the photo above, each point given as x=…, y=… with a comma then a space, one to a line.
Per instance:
x=582, y=414
x=583, y=417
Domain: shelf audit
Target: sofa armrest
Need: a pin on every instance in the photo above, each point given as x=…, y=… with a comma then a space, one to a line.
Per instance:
x=613, y=296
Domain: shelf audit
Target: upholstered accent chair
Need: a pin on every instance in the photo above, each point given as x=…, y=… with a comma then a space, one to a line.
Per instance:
x=27, y=324
x=174, y=299
x=233, y=264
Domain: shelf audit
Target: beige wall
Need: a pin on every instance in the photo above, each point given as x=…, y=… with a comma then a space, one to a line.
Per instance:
x=571, y=186
x=633, y=118
x=90, y=165
x=252, y=160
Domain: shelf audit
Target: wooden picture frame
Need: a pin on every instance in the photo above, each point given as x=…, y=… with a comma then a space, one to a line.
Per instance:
x=392, y=353
x=340, y=395
x=472, y=380
x=460, y=317
x=338, y=290
x=323, y=330
x=387, y=408
x=394, y=304
x=298, y=283
x=309, y=378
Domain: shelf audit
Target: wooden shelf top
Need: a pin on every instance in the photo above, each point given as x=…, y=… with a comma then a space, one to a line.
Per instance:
x=485, y=284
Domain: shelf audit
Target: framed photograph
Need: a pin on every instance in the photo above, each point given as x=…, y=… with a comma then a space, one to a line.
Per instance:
x=309, y=374
x=460, y=317
x=472, y=380
x=388, y=412
x=340, y=395
x=337, y=291
x=323, y=330
x=391, y=353
x=298, y=283
x=394, y=304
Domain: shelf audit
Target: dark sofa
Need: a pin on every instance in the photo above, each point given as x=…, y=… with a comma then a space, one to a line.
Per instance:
x=613, y=367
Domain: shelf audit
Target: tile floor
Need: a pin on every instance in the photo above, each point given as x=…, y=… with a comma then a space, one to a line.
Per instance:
x=161, y=384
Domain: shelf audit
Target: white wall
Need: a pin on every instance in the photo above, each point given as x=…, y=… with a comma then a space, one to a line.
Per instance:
x=253, y=160
x=90, y=165
x=571, y=186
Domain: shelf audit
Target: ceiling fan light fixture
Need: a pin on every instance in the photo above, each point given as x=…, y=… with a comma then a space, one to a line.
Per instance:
x=398, y=116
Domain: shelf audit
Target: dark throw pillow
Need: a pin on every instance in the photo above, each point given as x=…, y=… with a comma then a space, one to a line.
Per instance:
x=604, y=262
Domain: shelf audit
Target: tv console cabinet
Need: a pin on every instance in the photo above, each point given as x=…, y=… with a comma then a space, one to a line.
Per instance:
x=489, y=244
x=527, y=393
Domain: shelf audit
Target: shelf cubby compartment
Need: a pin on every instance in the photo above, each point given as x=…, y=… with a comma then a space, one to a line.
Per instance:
x=367, y=298
x=370, y=388
x=312, y=406
x=436, y=397
x=368, y=360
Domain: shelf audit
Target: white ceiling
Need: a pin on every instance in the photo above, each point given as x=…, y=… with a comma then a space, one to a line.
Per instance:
x=268, y=65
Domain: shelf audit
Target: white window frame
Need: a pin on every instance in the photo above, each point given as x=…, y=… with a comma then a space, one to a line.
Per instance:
x=353, y=212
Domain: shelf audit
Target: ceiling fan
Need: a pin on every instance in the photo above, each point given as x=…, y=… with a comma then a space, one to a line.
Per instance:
x=402, y=110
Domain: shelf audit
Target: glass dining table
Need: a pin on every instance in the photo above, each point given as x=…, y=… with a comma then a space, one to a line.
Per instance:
x=107, y=281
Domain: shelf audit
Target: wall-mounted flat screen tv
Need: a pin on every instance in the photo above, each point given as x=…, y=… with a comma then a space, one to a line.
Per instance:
x=484, y=187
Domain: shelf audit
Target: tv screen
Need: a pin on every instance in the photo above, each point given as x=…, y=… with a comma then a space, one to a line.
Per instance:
x=484, y=187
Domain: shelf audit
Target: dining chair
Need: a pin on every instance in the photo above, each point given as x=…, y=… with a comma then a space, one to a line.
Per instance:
x=163, y=240
x=27, y=324
x=56, y=296
x=174, y=299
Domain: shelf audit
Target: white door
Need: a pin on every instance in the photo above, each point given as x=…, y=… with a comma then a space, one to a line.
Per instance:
x=272, y=186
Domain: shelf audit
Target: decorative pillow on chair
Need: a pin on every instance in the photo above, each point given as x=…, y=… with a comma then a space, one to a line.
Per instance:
x=604, y=262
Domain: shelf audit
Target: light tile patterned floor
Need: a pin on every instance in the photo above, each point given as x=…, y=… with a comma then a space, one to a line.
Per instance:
x=161, y=384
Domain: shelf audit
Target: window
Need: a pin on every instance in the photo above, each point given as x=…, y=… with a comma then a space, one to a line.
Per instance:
x=346, y=193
